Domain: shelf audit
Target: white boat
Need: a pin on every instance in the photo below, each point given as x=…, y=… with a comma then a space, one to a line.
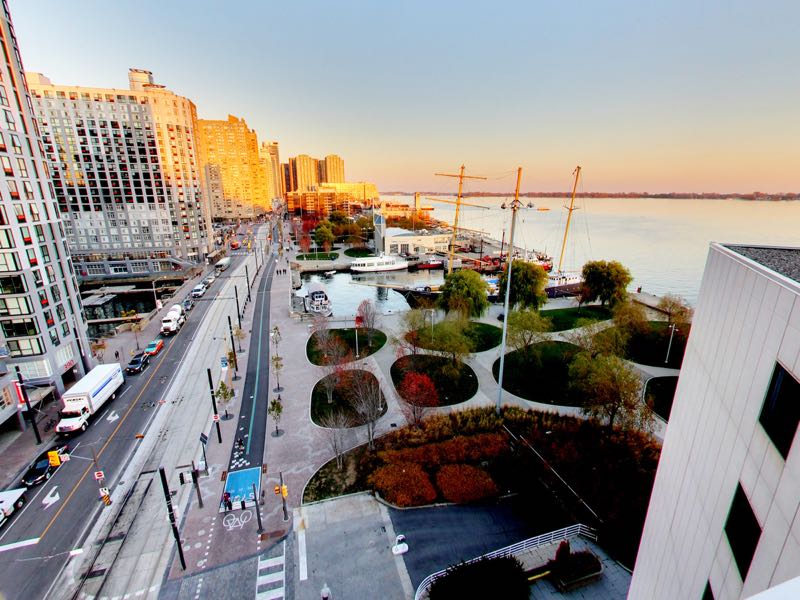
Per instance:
x=317, y=301
x=372, y=264
x=327, y=274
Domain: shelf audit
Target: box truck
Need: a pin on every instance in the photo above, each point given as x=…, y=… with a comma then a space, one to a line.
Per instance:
x=86, y=397
x=10, y=502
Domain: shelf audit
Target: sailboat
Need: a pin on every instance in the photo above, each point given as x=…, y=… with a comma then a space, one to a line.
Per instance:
x=559, y=282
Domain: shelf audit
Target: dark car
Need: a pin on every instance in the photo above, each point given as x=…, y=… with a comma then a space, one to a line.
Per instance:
x=138, y=363
x=41, y=469
x=188, y=304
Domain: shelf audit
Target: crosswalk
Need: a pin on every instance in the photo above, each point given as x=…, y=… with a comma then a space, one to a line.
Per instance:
x=271, y=577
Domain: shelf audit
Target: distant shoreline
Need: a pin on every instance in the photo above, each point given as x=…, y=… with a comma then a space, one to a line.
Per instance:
x=756, y=196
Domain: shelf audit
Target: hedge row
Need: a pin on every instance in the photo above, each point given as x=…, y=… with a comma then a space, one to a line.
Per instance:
x=408, y=484
x=460, y=449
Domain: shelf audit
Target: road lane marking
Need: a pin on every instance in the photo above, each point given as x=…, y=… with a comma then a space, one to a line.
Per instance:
x=258, y=366
x=52, y=497
x=91, y=468
x=301, y=549
x=20, y=544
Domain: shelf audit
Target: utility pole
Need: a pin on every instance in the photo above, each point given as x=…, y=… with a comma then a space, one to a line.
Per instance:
x=24, y=393
x=514, y=207
x=258, y=510
x=238, y=311
x=233, y=350
x=284, y=493
x=168, y=498
x=214, y=405
x=247, y=276
x=461, y=178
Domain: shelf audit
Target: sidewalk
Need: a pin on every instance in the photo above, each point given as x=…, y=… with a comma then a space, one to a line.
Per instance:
x=19, y=448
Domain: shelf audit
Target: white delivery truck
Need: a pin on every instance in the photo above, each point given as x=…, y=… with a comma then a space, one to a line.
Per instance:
x=11, y=501
x=86, y=397
x=223, y=264
x=173, y=321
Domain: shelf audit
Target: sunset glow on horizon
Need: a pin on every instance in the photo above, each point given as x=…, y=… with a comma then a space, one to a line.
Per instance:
x=647, y=97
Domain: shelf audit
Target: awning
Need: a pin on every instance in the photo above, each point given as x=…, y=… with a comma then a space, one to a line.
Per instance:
x=35, y=395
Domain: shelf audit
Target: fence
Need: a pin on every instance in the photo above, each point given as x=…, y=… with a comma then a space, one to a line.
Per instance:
x=518, y=548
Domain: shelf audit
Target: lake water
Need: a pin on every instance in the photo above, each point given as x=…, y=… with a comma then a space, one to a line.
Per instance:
x=664, y=243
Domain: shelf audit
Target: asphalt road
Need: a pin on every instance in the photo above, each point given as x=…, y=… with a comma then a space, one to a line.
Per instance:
x=36, y=543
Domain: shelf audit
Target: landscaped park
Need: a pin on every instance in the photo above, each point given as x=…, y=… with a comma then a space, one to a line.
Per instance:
x=596, y=467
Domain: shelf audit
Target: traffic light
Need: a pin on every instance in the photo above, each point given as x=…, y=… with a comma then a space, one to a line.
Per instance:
x=277, y=490
x=284, y=491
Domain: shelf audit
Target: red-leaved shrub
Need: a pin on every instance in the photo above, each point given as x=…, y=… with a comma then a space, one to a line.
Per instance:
x=462, y=448
x=404, y=484
x=464, y=483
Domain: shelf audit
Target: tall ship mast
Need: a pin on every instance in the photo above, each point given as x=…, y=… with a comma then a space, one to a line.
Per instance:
x=559, y=282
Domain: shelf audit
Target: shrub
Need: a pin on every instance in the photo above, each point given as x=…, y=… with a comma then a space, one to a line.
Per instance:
x=568, y=566
x=458, y=450
x=464, y=483
x=502, y=577
x=404, y=484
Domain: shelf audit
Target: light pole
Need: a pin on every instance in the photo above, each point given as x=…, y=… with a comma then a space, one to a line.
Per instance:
x=515, y=206
x=233, y=350
x=27, y=401
x=355, y=326
x=669, y=346
x=247, y=276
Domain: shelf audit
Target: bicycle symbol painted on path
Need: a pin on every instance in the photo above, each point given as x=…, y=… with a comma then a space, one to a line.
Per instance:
x=232, y=521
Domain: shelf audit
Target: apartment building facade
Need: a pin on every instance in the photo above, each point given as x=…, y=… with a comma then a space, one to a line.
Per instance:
x=42, y=328
x=127, y=175
x=724, y=514
x=232, y=147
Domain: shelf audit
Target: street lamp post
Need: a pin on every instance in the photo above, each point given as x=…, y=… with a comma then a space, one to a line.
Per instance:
x=238, y=311
x=214, y=405
x=515, y=206
x=669, y=346
x=247, y=276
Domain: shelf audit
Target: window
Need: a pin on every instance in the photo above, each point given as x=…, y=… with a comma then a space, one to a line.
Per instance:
x=6, y=238
x=19, y=327
x=781, y=411
x=14, y=306
x=27, y=347
x=54, y=337
x=9, y=262
x=13, y=284
x=7, y=168
x=10, y=123
x=743, y=531
x=23, y=167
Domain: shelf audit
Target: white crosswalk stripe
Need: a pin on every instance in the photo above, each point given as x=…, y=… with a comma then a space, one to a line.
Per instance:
x=271, y=576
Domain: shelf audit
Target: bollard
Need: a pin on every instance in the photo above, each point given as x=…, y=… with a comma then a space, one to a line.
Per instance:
x=243, y=505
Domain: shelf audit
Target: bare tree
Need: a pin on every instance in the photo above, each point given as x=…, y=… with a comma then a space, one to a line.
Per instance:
x=321, y=333
x=364, y=393
x=412, y=323
x=678, y=311
x=333, y=365
x=335, y=422
x=368, y=315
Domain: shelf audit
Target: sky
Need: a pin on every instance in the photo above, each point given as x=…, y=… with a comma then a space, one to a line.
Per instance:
x=678, y=95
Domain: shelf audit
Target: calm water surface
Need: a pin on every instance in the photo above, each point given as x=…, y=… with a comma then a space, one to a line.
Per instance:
x=664, y=243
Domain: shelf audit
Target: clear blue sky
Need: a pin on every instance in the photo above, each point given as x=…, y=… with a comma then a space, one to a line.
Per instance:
x=686, y=95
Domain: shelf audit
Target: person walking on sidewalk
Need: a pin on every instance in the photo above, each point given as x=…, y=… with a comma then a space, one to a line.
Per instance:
x=226, y=500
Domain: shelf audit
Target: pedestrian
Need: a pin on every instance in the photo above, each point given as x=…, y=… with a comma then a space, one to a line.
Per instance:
x=325, y=592
x=116, y=355
x=226, y=501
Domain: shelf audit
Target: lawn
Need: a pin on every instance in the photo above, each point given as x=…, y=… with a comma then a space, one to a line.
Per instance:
x=318, y=256
x=358, y=252
x=662, y=390
x=320, y=406
x=452, y=388
x=482, y=336
x=564, y=319
x=542, y=375
x=348, y=336
x=650, y=348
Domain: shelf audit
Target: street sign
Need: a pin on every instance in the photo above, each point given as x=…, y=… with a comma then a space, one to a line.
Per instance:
x=54, y=458
x=98, y=475
x=203, y=439
x=215, y=418
x=103, y=492
x=223, y=362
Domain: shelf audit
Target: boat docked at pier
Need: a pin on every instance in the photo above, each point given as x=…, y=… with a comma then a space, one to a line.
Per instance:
x=429, y=263
x=382, y=262
x=565, y=283
x=316, y=301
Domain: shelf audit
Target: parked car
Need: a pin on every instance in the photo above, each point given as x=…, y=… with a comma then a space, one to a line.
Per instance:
x=188, y=304
x=41, y=469
x=138, y=363
x=198, y=290
x=209, y=279
x=154, y=347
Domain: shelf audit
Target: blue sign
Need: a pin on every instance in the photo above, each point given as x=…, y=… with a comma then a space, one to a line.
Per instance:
x=239, y=484
x=223, y=362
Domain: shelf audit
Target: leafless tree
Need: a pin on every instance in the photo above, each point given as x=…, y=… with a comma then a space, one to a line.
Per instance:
x=335, y=422
x=334, y=366
x=368, y=315
x=321, y=333
x=412, y=323
x=364, y=393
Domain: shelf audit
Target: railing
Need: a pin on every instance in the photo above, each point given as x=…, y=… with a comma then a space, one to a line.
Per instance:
x=518, y=548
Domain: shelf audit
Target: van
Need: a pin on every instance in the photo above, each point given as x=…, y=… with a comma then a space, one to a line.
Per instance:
x=198, y=290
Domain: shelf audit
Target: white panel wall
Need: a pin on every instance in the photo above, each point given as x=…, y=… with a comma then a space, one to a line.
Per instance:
x=747, y=318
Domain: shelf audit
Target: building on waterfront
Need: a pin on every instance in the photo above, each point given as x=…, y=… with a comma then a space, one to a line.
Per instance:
x=127, y=175
x=331, y=169
x=233, y=148
x=271, y=162
x=304, y=173
x=42, y=328
x=724, y=514
x=362, y=192
x=396, y=240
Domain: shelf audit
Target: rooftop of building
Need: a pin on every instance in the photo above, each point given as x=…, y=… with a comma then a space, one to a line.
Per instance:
x=785, y=261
